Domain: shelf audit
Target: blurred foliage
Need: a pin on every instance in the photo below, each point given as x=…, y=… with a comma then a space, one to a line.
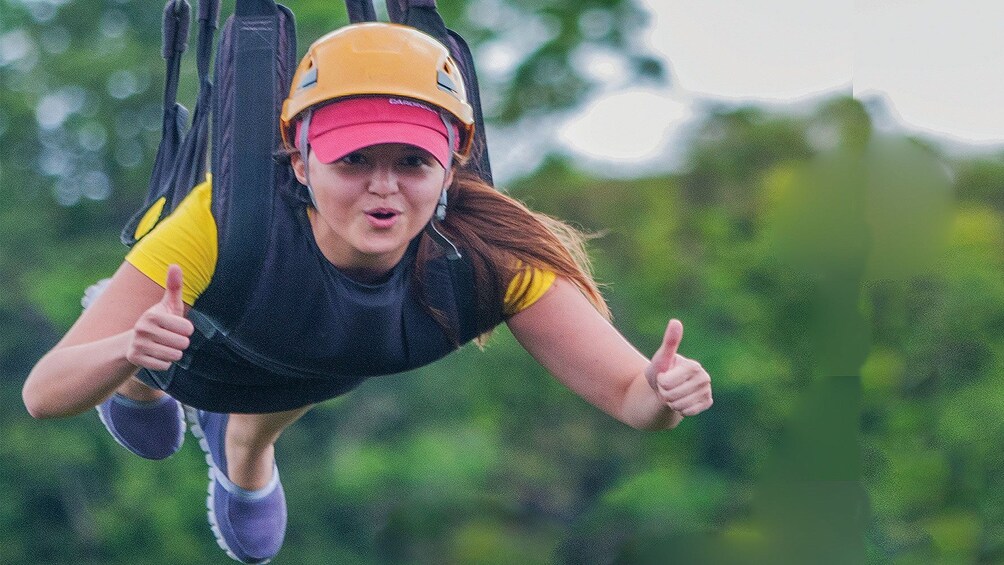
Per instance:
x=843, y=287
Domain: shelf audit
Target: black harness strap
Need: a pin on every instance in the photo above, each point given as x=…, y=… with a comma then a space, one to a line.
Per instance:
x=254, y=66
x=424, y=15
x=175, y=119
x=180, y=162
x=479, y=161
x=254, y=63
x=191, y=167
x=255, y=60
x=360, y=11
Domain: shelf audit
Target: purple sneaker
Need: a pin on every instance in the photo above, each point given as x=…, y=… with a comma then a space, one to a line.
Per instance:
x=249, y=525
x=153, y=430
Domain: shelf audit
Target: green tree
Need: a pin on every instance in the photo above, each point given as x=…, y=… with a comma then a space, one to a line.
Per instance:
x=483, y=457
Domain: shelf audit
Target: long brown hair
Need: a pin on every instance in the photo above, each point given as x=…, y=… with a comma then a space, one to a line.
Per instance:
x=502, y=237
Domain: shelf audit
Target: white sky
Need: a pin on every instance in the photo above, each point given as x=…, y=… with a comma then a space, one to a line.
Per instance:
x=938, y=63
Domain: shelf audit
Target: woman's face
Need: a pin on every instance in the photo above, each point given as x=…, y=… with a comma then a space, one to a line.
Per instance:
x=371, y=203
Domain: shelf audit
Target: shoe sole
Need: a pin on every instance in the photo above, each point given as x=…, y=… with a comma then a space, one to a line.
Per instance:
x=193, y=420
x=111, y=432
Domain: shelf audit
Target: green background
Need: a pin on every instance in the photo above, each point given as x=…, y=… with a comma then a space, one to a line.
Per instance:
x=842, y=286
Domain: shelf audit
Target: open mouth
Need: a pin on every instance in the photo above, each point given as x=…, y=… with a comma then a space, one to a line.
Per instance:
x=382, y=217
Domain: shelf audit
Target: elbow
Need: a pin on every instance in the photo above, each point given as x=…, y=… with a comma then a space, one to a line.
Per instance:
x=36, y=404
x=36, y=408
x=32, y=396
x=41, y=404
x=39, y=414
x=643, y=426
x=43, y=409
x=666, y=419
x=653, y=426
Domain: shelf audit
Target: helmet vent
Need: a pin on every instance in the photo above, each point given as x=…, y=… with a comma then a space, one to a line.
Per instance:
x=446, y=83
x=309, y=79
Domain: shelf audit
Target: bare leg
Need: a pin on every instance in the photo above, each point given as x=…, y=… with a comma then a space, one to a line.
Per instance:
x=250, y=437
x=250, y=445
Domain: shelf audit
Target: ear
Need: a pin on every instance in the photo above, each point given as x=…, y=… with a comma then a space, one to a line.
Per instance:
x=448, y=181
x=296, y=161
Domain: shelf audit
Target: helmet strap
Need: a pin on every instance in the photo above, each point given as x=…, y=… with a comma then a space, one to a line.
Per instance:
x=305, y=153
x=444, y=242
x=451, y=139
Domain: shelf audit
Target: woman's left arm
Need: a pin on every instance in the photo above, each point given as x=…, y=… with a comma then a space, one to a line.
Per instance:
x=566, y=335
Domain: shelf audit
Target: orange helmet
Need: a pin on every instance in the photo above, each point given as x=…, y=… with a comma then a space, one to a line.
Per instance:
x=377, y=58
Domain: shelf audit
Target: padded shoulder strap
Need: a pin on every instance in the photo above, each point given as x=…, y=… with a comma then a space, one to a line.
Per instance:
x=254, y=65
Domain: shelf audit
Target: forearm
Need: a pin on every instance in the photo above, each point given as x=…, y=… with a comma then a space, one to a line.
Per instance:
x=73, y=379
x=642, y=408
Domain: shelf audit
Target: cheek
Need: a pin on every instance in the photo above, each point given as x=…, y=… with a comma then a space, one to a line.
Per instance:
x=332, y=192
x=331, y=201
x=433, y=188
x=427, y=199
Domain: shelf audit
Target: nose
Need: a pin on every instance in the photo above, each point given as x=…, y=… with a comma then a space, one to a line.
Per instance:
x=383, y=181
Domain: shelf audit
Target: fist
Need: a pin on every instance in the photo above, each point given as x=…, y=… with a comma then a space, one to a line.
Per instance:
x=681, y=383
x=161, y=334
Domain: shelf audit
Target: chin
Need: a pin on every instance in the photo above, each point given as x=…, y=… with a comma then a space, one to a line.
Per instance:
x=379, y=251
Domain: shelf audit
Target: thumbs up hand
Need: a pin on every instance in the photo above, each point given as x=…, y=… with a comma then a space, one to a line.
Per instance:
x=681, y=383
x=161, y=334
x=172, y=292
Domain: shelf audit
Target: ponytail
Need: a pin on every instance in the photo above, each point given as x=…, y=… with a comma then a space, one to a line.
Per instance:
x=501, y=238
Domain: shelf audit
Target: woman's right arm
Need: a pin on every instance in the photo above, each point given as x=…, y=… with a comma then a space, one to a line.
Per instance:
x=134, y=323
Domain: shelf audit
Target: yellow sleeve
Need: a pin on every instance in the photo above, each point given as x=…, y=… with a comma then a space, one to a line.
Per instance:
x=188, y=238
x=529, y=284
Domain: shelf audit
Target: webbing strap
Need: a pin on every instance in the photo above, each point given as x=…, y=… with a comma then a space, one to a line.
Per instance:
x=398, y=9
x=479, y=161
x=209, y=11
x=209, y=21
x=360, y=11
x=189, y=165
x=252, y=8
x=190, y=168
x=177, y=14
x=180, y=159
x=419, y=14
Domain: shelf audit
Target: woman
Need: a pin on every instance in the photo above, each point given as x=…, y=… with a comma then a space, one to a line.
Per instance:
x=390, y=258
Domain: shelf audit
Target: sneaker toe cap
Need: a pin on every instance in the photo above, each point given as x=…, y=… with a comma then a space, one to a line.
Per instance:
x=251, y=527
x=153, y=432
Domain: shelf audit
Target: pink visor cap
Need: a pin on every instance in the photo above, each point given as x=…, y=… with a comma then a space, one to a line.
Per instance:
x=347, y=125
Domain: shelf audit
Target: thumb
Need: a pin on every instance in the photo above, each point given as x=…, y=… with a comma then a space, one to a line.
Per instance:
x=172, y=291
x=665, y=357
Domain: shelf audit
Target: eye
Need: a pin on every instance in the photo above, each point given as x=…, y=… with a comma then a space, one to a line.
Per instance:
x=415, y=160
x=354, y=158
